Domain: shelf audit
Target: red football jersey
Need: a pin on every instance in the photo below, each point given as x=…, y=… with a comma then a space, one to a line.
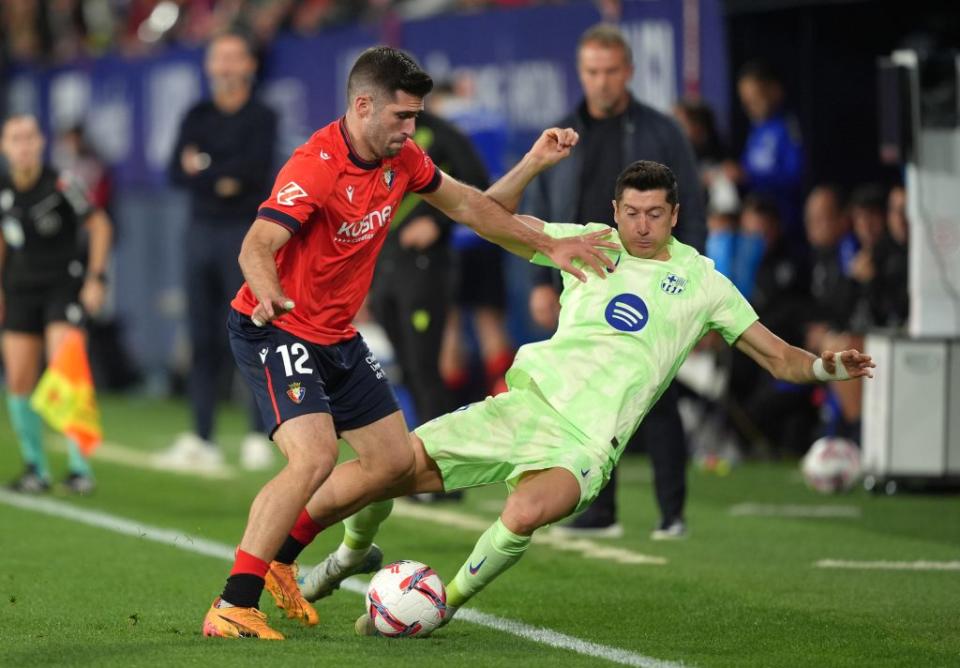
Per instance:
x=339, y=209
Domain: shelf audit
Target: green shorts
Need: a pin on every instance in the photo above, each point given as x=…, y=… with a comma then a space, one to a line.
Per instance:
x=502, y=437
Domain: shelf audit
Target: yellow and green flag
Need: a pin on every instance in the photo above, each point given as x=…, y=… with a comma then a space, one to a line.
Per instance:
x=65, y=396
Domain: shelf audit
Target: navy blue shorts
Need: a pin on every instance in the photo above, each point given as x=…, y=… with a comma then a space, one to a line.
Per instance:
x=290, y=376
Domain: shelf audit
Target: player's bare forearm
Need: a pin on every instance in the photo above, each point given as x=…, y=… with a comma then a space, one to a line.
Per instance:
x=101, y=238
x=508, y=190
x=257, y=258
x=488, y=218
x=552, y=146
x=494, y=223
x=796, y=365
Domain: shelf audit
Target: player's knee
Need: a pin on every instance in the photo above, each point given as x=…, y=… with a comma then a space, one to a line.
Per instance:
x=523, y=516
x=399, y=467
x=312, y=465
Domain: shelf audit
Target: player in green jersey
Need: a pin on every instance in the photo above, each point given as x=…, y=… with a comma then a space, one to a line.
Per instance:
x=575, y=399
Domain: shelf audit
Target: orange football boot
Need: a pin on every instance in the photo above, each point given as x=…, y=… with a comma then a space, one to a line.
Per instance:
x=281, y=582
x=237, y=623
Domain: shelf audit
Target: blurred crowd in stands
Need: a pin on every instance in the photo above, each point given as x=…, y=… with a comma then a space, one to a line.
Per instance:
x=58, y=31
x=821, y=266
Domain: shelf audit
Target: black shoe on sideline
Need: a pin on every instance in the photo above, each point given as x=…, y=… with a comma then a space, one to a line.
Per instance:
x=29, y=483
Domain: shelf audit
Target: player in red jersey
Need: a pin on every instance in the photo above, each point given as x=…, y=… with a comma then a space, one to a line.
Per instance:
x=308, y=262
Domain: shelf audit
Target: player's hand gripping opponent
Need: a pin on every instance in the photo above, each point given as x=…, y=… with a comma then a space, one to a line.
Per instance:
x=586, y=249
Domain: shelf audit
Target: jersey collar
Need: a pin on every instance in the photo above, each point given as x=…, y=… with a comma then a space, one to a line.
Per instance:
x=354, y=158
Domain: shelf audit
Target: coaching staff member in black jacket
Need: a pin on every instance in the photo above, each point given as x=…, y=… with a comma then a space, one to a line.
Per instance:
x=223, y=158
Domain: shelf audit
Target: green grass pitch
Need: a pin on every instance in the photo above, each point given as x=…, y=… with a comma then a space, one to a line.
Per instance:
x=742, y=591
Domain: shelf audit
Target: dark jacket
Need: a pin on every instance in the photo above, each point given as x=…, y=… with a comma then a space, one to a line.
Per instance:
x=240, y=146
x=647, y=135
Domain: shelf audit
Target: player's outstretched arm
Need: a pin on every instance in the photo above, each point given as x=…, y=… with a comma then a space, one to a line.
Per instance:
x=492, y=222
x=259, y=268
x=553, y=145
x=796, y=365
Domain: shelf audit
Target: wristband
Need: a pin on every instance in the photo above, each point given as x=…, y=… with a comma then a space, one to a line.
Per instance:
x=821, y=374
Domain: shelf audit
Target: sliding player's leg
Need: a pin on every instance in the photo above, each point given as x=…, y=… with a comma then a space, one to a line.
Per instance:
x=540, y=498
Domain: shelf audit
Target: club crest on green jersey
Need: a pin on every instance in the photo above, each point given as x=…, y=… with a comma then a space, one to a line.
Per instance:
x=673, y=284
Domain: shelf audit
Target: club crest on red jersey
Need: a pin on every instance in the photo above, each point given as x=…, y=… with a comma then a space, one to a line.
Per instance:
x=296, y=392
x=388, y=177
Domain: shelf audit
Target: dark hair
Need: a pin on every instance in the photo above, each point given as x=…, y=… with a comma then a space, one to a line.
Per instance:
x=382, y=69
x=241, y=36
x=608, y=35
x=870, y=197
x=762, y=205
x=832, y=189
x=646, y=175
x=759, y=70
x=699, y=113
x=18, y=115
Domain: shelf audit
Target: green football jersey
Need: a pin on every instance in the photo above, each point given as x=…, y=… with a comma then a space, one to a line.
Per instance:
x=621, y=340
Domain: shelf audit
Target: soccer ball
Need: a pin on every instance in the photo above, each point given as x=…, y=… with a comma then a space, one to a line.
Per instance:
x=831, y=465
x=405, y=599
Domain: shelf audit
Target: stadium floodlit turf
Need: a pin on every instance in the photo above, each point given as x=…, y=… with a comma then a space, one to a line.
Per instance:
x=742, y=591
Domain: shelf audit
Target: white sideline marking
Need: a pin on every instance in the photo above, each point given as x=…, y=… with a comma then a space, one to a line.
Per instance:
x=776, y=510
x=223, y=551
x=890, y=565
x=120, y=454
x=587, y=548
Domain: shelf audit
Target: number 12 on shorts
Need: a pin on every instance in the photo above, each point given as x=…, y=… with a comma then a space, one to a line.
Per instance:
x=295, y=358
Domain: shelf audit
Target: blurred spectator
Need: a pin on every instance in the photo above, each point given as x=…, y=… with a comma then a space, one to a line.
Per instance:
x=615, y=129
x=835, y=296
x=65, y=28
x=73, y=155
x=771, y=415
x=773, y=160
x=22, y=26
x=832, y=247
x=223, y=158
x=868, y=213
x=781, y=291
x=887, y=285
x=718, y=169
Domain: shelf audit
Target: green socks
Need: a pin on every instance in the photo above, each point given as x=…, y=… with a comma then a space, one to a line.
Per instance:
x=361, y=528
x=497, y=550
x=76, y=462
x=29, y=430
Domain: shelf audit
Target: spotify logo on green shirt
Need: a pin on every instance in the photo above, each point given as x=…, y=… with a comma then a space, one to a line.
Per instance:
x=627, y=313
